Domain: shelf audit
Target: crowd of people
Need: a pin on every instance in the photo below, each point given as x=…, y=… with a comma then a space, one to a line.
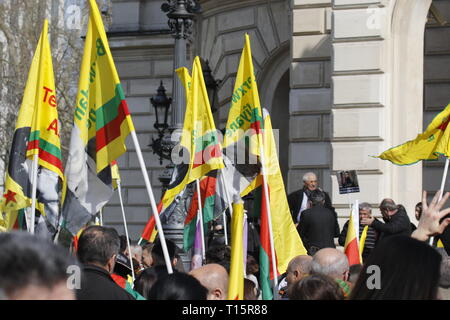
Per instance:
x=398, y=261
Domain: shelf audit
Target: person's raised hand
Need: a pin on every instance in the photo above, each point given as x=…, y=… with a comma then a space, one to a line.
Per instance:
x=367, y=221
x=430, y=223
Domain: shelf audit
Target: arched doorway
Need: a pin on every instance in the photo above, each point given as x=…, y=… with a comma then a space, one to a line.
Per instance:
x=274, y=86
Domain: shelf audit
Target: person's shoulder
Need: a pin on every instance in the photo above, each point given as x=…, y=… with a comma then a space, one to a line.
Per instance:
x=295, y=193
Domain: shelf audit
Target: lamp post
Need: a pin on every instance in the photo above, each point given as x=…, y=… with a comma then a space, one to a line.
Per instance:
x=181, y=16
x=161, y=103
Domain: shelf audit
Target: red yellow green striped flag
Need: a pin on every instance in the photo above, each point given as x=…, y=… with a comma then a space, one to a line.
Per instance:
x=36, y=133
x=44, y=136
x=202, y=151
x=287, y=241
x=101, y=124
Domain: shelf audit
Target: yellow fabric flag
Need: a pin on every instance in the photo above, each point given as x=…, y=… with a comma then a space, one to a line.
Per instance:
x=245, y=111
x=236, y=282
x=426, y=146
x=202, y=151
x=101, y=125
x=288, y=243
x=44, y=136
x=199, y=139
x=362, y=241
x=36, y=132
x=185, y=77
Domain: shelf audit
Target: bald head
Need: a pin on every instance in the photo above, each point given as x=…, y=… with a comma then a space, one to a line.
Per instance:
x=298, y=267
x=330, y=262
x=215, y=278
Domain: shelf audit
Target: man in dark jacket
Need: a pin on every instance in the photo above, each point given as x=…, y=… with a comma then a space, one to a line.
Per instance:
x=395, y=218
x=97, y=250
x=365, y=211
x=299, y=200
x=318, y=225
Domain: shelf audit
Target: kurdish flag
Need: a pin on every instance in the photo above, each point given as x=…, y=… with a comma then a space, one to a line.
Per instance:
x=199, y=142
x=287, y=242
x=244, y=122
x=101, y=124
x=36, y=133
x=201, y=139
x=351, y=247
x=426, y=146
x=236, y=282
x=213, y=204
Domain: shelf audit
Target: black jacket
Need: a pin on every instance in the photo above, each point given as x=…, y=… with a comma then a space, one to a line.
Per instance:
x=295, y=200
x=97, y=284
x=318, y=227
x=398, y=224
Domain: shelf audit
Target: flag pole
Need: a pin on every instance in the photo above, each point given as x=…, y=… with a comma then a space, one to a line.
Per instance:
x=152, y=202
x=269, y=220
x=119, y=190
x=444, y=177
x=245, y=242
x=200, y=217
x=230, y=207
x=33, y=194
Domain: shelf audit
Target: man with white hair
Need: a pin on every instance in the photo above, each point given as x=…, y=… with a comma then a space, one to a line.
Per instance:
x=299, y=200
x=334, y=264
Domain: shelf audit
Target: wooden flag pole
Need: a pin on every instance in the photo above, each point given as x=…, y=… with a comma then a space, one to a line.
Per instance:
x=33, y=194
x=444, y=177
x=152, y=203
x=119, y=190
x=269, y=220
x=200, y=218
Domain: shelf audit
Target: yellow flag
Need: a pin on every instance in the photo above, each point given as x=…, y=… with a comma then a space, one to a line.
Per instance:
x=236, y=282
x=362, y=241
x=245, y=111
x=288, y=243
x=426, y=146
x=185, y=77
x=36, y=132
x=44, y=136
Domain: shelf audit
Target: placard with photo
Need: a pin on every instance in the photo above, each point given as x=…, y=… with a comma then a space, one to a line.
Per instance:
x=348, y=181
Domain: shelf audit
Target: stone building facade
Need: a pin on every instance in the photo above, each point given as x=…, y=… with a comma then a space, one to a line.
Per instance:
x=344, y=80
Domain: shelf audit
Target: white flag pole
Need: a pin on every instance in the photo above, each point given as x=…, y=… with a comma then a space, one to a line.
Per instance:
x=230, y=207
x=100, y=216
x=200, y=218
x=119, y=190
x=444, y=177
x=152, y=202
x=33, y=194
x=269, y=218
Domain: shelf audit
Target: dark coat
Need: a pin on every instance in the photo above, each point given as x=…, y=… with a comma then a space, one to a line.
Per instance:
x=97, y=284
x=398, y=224
x=318, y=227
x=295, y=200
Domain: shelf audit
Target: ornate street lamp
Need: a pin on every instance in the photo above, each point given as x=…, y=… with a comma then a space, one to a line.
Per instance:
x=161, y=146
x=181, y=15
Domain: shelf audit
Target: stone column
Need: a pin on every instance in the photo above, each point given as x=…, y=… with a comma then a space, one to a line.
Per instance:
x=377, y=95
